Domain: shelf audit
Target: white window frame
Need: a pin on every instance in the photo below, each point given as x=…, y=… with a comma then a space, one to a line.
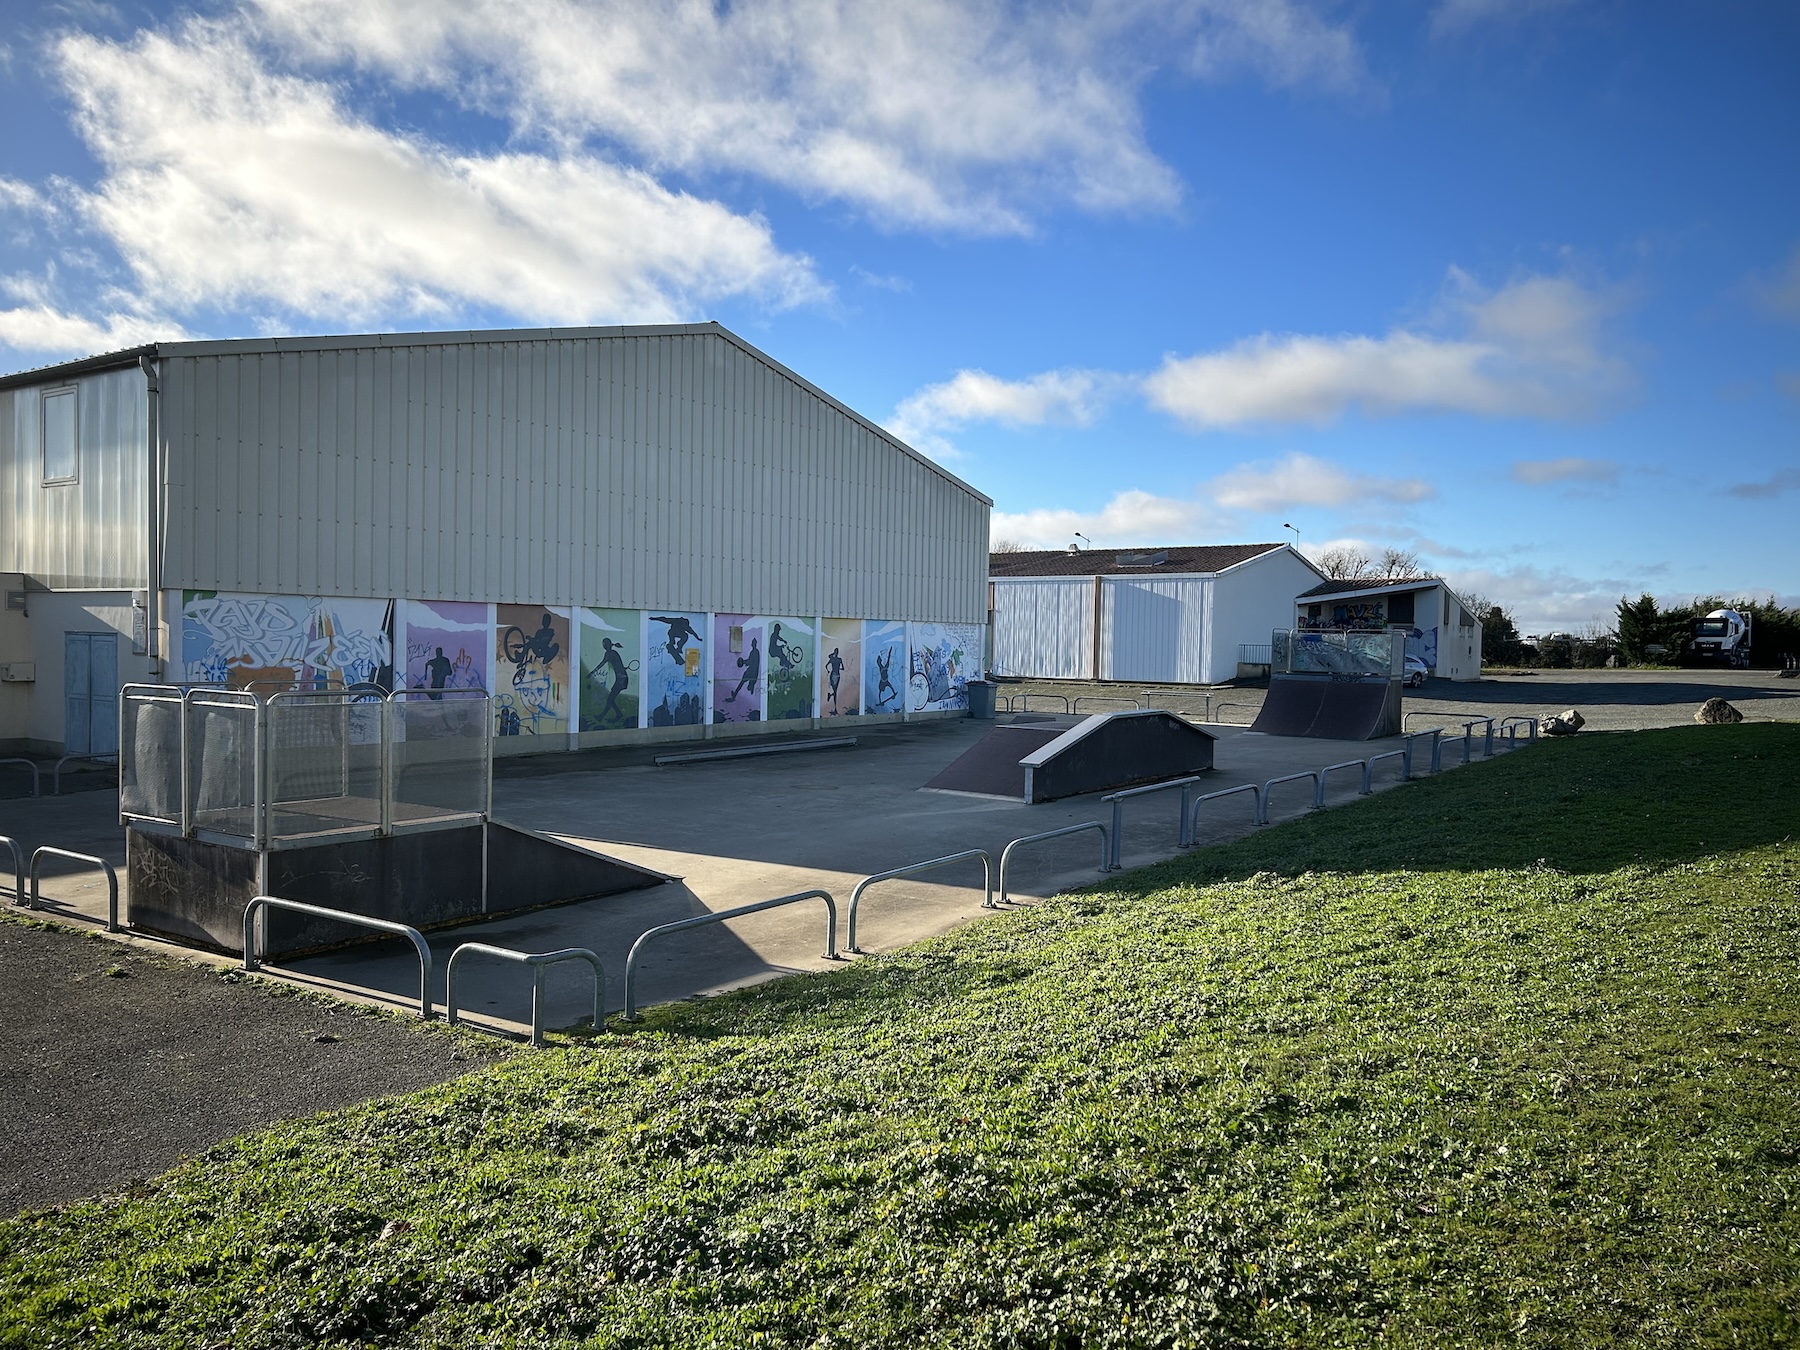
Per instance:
x=74, y=474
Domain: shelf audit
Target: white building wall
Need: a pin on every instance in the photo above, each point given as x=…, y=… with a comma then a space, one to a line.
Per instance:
x=670, y=467
x=1155, y=629
x=1252, y=600
x=1044, y=627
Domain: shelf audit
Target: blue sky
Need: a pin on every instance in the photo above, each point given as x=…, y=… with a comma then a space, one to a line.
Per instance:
x=1512, y=283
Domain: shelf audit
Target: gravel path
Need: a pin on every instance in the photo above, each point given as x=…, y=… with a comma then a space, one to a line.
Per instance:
x=115, y=1063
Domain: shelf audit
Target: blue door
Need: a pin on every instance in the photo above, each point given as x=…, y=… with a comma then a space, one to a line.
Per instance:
x=90, y=693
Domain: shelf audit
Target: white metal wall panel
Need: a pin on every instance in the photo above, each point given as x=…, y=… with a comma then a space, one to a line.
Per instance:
x=1154, y=628
x=89, y=534
x=1253, y=599
x=1043, y=626
x=675, y=468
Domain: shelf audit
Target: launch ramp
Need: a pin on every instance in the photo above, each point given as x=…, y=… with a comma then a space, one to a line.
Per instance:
x=1044, y=761
x=1336, y=685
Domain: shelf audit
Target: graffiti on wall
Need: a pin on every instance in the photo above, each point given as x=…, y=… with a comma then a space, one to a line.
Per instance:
x=531, y=670
x=612, y=647
x=884, y=667
x=1422, y=643
x=271, y=642
x=674, y=670
x=446, y=644
x=944, y=656
x=1359, y=614
x=840, y=659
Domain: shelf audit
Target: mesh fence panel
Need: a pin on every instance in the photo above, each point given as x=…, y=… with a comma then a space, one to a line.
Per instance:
x=150, y=756
x=221, y=740
x=325, y=759
x=440, y=754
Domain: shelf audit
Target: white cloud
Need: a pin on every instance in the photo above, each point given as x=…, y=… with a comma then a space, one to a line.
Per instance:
x=42, y=328
x=1454, y=16
x=1131, y=518
x=228, y=183
x=1777, y=483
x=967, y=115
x=1538, y=472
x=1544, y=601
x=1303, y=480
x=1529, y=349
x=1055, y=397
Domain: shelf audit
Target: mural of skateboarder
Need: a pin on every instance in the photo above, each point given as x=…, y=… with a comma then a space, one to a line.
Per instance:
x=681, y=632
x=885, y=689
x=834, y=671
x=751, y=662
x=786, y=654
x=612, y=660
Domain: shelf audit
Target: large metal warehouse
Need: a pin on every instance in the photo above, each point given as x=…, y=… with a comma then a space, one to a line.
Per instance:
x=1161, y=615
x=621, y=533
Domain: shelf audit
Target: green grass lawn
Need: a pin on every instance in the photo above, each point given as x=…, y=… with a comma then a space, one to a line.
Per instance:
x=1507, y=1056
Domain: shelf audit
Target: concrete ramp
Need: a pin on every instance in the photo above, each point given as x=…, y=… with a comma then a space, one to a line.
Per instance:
x=1330, y=707
x=1044, y=761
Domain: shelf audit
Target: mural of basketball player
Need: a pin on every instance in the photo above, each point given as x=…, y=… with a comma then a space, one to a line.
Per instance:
x=834, y=672
x=681, y=632
x=751, y=661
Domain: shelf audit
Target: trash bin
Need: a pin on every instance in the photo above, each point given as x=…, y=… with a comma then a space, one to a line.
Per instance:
x=981, y=700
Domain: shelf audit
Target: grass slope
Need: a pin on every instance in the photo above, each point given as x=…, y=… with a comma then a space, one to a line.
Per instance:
x=1505, y=1055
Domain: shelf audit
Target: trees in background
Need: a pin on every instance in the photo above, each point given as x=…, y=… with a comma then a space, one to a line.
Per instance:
x=1345, y=562
x=1643, y=624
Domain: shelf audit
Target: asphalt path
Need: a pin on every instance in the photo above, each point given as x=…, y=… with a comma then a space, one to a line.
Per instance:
x=116, y=1063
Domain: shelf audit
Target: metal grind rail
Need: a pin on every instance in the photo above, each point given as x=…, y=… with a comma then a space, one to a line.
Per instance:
x=56, y=774
x=663, y=930
x=1118, y=800
x=264, y=902
x=37, y=783
x=18, y=855
x=112, y=879
x=539, y=963
x=913, y=869
x=1007, y=852
x=1256, y=807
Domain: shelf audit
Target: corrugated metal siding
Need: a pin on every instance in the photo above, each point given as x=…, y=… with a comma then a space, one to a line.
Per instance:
x=1154, y=629
x=1044, y=627
x=89, y=534
x=642, y=470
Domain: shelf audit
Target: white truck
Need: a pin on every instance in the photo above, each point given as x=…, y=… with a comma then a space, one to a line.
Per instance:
x=1722, y=638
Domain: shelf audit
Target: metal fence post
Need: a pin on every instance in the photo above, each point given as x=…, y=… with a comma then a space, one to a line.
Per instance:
x=18, y=857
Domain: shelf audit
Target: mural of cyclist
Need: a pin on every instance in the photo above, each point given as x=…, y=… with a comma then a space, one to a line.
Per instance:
x=834, y=671
x=786, y=654
x=681, y=632
x=751, y=662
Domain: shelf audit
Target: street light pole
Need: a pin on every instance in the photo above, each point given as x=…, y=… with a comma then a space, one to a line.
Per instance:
x=1296, y=530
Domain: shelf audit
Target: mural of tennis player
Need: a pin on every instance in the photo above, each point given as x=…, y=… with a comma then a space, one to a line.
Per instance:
x=884, y=663
x=437, y=672
x=681, y=632
x=786, y=654
x=612, y=660
x=751, y=661
x=834, y=671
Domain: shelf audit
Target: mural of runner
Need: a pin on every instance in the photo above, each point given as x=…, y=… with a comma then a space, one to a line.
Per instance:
x=446, y=644
x=674, y=670
x=273, y=642
x=840, y=647
x=884, y=666
x=531, y=670
x=740, y=686
x=944, y=656
x=790, y=672
x=612, y=647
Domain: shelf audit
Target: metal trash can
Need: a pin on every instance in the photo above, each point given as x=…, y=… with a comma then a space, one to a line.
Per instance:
x=981, y=700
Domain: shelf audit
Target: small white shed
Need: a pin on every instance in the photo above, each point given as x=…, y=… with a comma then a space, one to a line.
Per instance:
x=1441, y=629
x=1159, y=615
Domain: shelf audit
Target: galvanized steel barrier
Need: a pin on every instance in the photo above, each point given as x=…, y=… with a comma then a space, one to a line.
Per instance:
x=18, y=896
x=1368, y=767
x=1256, y=807
x=1329, y=769
x=911, y=869
x=1509, y=726
x=263, y=902
x=1007, y=852
x=1125, y=702
x=36, y=782
x=631, y=959
x=56, y=774
x=538, y=961
x=112, y=879
x=1269, y=789
x=1468, y=734
x=1118, y=800
x=1223, y=706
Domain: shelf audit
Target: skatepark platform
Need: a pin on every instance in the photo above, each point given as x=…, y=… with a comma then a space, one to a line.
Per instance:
x=1041, y=757
x=1332, y=707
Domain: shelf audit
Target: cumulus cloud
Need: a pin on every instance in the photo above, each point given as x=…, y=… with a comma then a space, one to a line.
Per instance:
x=1133, y=517
x=1529, y=349
x=1546, y=600
x=1777, y=483
x=938, y=114
x=1304, y=480
x=1538, y=472
x=1056, y=397
x=43, y=328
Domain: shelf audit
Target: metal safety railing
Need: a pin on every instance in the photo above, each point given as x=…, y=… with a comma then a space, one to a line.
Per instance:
x=912, y=869
x=1124, y=703
x=1269, y=789
x=1191, y=831
x=1361, y=765
x=1150, y=696
x=663, y=930
x=56, y=773
x=36, y=782
x=1405, y=758
x=18, y=857
x=1509, y=727
x=112, y=879
x=1118, y=800
x=1257, y=707
x=266, y=902
x=1007, y=852
x=539, y=963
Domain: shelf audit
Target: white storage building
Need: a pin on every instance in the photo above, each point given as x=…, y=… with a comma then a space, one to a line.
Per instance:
x=1440, y=628
x=620, y=533
x=1160, y=615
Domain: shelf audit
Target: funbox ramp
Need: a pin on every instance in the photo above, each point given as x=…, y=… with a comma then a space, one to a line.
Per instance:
x=1041, y=761
x=195, y=891
x=1331, y=707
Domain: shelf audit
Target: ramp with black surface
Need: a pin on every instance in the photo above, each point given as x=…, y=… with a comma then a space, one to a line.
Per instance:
x=992, y=766
x=1044, y=761
x=1330, y=708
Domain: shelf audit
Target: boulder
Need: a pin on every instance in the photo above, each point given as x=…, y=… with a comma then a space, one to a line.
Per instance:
x=1562, y=724
x=1717, y=710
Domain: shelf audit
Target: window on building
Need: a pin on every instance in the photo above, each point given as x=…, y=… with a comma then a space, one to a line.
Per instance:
x=59, y=436
x=1400, y=608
